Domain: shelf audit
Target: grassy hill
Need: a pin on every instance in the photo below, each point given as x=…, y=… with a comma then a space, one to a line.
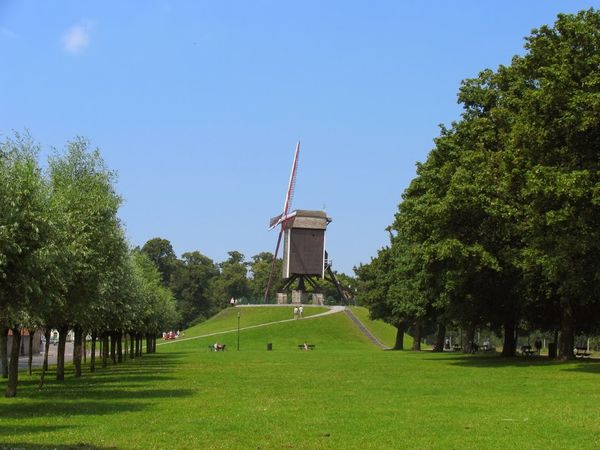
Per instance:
x=346, y=394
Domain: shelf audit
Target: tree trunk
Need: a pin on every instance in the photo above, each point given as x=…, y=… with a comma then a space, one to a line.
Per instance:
x=148, y=346
x=400, y=329
x=440, y=338
x=13, y=365
x=93, y=353
x=416, y=347
x=84, y=343
x=77, y=348
x=47, y=334
x=4, y=351
x=567, y=340
x=131, y=346
x=30, y=357
x=509, y=347
x=470, y=335
x=60, y=355
x=137, y=345
x=113, y=341
x=104, y=349
x=120, y=346
x=45, y=363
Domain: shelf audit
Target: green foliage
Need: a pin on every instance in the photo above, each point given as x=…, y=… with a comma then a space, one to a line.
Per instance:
x=27, y=247
x=190, y=283
x=260, y=268
x=232, y=281
x=160, y=251
x=500, y=227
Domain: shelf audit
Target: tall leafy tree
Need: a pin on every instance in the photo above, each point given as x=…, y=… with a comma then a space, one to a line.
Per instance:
x=190, y=283
x=374, y=291
x=160, y=251
x=86, y=203
x=25, y=244
x=232, y=281
x=260, y=268
x=557, y=136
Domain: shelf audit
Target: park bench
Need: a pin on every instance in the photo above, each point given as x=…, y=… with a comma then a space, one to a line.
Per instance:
x=211, y=348
x=456, y=348
x=310, y=346
x=526, y=350
x=582, y=352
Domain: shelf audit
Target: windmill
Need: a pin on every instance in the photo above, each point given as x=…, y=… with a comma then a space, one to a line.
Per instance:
x=303, y=232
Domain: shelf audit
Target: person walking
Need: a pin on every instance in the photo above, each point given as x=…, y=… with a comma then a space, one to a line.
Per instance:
x=295, y=312
x=300, y=311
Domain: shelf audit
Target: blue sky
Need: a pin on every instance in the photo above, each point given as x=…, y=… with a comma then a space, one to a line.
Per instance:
x=198, y=105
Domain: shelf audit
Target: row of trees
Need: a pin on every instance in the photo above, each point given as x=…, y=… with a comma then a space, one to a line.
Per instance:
x=64, y=260
x=501, y=226
x=202, y=287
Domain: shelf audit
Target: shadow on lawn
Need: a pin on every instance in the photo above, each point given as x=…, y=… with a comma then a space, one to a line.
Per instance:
x=491, y=361
x=27, y=446
x=105, y=392
x=38, y=410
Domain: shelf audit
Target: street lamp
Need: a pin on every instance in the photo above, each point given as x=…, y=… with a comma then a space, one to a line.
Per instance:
x=238, y=331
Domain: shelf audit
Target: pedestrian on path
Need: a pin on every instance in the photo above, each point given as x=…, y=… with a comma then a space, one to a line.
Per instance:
x=301, y=311
x=296, y=312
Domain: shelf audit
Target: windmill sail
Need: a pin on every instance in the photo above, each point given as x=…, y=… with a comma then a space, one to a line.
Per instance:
x=284, y=217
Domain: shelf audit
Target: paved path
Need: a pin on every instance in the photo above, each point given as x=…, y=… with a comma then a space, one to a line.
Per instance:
x=332, y=310
x=38, y=359
x=364, y=329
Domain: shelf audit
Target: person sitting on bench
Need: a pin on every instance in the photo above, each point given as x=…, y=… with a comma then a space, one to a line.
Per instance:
x=219, y=347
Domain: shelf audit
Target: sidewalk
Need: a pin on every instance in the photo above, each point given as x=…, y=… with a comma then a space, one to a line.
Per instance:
x=38, y=359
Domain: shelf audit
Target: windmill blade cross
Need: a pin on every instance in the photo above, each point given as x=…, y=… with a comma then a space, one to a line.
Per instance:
x=284, y=216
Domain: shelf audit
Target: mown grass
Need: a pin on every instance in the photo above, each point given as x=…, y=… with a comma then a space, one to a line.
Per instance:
x=346, y=394
x=249, y=316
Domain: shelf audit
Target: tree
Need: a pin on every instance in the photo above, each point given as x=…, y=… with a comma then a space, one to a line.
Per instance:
x=160, y=251
x=556, y=134
x=190, y=281
x=86, y=207
x=232, y=281
x=374, y=282
x=260, y=268
x=25, y=244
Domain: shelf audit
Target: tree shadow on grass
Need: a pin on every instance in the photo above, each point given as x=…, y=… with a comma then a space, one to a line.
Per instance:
x=38, y=410
x=492, y=361
x=586, y=366
x=28, y=446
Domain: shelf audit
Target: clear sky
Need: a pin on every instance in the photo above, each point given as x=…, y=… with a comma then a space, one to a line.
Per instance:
x=198, y=104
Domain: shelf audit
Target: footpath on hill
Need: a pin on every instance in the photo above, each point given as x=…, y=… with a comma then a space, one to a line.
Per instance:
x=332, y=310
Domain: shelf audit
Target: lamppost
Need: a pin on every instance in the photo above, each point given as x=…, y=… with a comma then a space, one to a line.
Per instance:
x=238, y=331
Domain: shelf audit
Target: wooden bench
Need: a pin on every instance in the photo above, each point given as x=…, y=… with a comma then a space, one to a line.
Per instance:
x=456, y=348
x=310, y=346
x=582, y=352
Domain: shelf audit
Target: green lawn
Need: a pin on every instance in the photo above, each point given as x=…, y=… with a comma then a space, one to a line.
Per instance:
x=346, y=394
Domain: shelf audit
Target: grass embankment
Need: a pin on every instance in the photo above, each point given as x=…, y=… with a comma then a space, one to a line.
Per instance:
x=346, y=394
x=385, y=332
